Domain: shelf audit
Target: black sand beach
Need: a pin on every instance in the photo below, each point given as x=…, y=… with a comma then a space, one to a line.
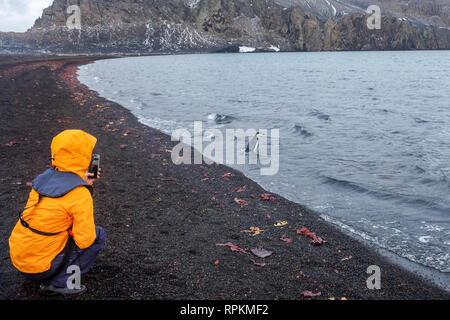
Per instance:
x=164, y=221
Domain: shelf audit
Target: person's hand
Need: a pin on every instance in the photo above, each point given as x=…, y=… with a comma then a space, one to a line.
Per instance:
x=89, y=176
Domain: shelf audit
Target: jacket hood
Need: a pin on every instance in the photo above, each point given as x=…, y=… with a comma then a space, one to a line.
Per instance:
x=72, y=151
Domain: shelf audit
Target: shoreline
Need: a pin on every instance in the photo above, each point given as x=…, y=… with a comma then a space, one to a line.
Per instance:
x=165, y=221
x=442, y=279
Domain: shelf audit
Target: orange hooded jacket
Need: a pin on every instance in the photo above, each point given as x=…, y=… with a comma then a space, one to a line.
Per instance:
x=33, y=253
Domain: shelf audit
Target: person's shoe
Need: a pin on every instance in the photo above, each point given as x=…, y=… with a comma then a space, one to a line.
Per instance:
x=50, y=290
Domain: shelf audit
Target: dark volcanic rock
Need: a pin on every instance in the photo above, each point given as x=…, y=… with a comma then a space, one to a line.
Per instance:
x=349, y=33
x=433, y=12
x=147, y=26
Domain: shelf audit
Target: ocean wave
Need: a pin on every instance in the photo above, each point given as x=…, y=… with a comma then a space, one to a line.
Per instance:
x=404, y=198
x=420, y=121
x=220, y=118
x=165, y=126
x=436, y=258
x=320, y=115
x=301, y=131
x=238, y=101
x=348, y=184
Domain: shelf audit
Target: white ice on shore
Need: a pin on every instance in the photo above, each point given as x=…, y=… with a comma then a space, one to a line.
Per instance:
x=244, y=49
x=273, y=48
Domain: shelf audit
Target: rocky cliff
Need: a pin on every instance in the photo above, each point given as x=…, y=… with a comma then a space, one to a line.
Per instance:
x=147, y=26
x=426, y=12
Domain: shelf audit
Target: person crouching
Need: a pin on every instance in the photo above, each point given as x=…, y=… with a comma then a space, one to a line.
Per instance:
x=56, y=236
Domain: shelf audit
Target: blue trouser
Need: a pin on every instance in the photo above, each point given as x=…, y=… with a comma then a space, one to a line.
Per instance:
x=83, y=258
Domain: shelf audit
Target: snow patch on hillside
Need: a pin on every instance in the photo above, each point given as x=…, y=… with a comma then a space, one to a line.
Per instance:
x=244, y=49
x=191, y=3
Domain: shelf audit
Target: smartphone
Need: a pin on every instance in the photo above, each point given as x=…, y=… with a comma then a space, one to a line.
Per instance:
x=95, y=165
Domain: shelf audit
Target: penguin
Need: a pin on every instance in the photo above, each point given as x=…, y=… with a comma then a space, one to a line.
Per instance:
x=254, y=143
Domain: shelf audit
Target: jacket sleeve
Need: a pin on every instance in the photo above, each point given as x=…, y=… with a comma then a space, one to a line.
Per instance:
x=81, y=208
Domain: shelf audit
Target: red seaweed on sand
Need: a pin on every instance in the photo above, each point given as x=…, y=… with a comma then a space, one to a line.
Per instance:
x=309, y=294
x=232, y=247
x=266, y=197
x=316, y=240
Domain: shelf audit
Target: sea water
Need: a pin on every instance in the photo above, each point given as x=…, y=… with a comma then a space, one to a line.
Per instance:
x=364, y=136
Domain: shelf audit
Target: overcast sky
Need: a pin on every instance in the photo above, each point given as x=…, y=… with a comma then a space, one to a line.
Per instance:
x=19, y=15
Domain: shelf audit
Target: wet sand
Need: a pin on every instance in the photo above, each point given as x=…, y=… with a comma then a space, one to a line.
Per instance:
x=164, y=221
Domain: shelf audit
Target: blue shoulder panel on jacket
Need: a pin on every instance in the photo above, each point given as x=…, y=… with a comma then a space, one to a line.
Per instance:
x=56, y=184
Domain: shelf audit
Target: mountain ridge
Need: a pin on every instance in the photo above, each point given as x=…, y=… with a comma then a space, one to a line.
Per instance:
x=149, y=26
